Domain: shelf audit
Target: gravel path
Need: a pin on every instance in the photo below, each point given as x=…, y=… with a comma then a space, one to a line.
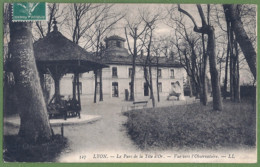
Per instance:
x=105, y=135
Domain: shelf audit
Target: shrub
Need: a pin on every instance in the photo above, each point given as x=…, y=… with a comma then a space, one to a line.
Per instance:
x=193, y=126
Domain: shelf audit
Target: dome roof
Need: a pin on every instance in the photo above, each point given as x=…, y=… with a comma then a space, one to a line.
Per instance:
x=114, y=37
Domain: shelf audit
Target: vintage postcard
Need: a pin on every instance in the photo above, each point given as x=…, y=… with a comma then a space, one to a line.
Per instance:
x=129, y=83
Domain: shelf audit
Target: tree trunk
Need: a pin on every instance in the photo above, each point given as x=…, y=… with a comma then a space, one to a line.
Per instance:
x=226, y=73
x=34, y=125
x=100, y=86
x=132, y=86
x=217, y=102
x=245, y=44
x=190, y=85
x=74, y=87
x=96, y=71
x=220, y=67
x=204, y=79
x=195, y=77
x=78, y=90
x=236, y=75
x=157, y=82
x=151, y=85
x=198, y=90
x=57, y=88
x=95, y=89
x=238, y=84
x=231, y=65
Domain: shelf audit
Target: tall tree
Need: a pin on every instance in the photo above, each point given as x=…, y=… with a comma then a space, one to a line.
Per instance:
x=156, y=48
x=132, y=30
x=149, y=63
x=204, y=73
x=191, y=52
x=34, y=125
x=234, y=55
x=209, y=30
x=150, y=19
x=236, y=76
x=232, y=12
x=189, y=57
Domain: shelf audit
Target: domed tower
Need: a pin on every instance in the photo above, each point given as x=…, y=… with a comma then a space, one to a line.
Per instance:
x=114, y=41
x=115, y=46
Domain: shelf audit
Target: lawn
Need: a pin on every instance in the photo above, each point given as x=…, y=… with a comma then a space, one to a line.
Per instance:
x=193, y=126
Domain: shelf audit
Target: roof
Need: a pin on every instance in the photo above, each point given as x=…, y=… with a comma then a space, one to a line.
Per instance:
x=112, y=51
x=120, y=55
x=56, y=48
x=140, y=61
x=114, y=37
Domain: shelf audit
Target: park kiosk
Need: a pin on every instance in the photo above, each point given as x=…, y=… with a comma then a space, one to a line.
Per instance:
x=56, y=55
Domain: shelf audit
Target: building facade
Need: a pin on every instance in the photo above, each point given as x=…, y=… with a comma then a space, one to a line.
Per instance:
x=117, y=78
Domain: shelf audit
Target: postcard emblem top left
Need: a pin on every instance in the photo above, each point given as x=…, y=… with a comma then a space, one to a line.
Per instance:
x=25, y=11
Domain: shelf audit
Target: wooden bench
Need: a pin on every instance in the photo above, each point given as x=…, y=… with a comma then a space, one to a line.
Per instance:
x=140, y=104
x=134, y=105
x=56, y=110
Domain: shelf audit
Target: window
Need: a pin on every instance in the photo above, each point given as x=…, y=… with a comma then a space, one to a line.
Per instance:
x=146, y=89
x=130, y=71
x=159, y=72
x=114, y=72
x=113, y=43
x=160, y=87
x=114, y=89
x=172, y=73
x=118, y=44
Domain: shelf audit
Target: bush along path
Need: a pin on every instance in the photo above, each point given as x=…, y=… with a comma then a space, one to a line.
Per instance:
x=193, y=126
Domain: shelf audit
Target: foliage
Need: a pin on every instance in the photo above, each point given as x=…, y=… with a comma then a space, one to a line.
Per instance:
x=193, y=126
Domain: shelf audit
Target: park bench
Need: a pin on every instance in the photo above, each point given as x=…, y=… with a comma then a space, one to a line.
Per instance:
x=134, y=105
x=56, y=109
x=64, y=108
x=137, y=104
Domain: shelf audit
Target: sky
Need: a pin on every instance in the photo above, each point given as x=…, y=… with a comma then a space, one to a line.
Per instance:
x=162, y=29
x=132, y=12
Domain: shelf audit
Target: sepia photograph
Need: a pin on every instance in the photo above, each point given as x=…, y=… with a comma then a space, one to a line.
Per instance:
x=129, y=83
